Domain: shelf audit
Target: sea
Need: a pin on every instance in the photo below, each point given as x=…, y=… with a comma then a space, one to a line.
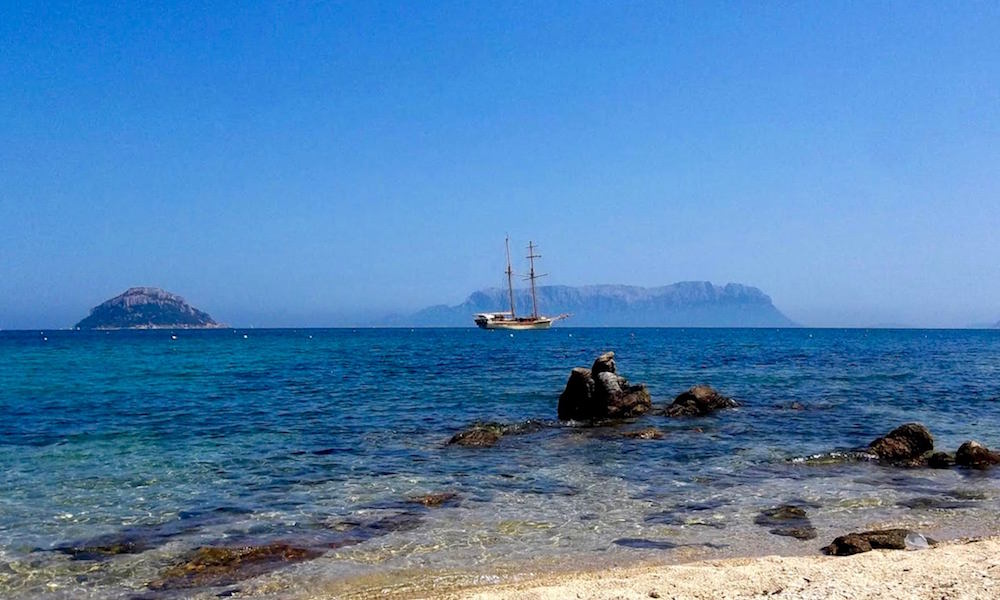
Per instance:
x=125, y=454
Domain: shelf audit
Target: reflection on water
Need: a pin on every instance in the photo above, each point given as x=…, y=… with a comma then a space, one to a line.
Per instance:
x=121, y=454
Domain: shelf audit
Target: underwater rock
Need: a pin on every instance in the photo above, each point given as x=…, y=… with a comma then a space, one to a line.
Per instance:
x=975, y=455
x=479, y=435
x=649, y=433
x=484, y=434
x=601, y=393
x=211, y=566
x=698, y=402
x=645, y=544
x=904, y=444
x=886, y=539
x=136, y=539
x=787, y=520
x=436, y=500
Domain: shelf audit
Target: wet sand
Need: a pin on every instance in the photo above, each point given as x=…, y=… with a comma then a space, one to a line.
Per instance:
x=967, y=569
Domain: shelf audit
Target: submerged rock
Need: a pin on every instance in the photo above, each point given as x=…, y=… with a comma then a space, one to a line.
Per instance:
x=479, y=435
x=904, y=444
x=975, y=455
x=601, y=393
x=886, y=539
x=698, y=402
x=649, y=433
x=212, y=566
x=436, y=500
x=483, y=434
x=787, y=520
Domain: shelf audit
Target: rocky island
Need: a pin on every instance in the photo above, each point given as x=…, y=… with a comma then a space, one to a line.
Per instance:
x=147, y=308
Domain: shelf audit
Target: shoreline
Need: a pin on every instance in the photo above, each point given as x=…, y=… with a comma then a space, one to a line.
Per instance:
x=957, y=569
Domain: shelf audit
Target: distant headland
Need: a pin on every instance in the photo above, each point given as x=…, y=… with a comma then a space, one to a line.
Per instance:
x=147, y=308
x=683, y=304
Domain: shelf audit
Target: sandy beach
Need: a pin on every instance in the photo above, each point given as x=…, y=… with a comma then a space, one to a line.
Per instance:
x=967, y=569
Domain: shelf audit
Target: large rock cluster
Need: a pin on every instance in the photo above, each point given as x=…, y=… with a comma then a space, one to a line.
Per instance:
x=600, y=393
x=912, y=445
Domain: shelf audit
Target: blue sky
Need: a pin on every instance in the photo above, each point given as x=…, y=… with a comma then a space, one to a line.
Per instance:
x=298, y=164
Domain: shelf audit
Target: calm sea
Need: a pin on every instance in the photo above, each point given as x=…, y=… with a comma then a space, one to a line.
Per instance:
x=319, y=439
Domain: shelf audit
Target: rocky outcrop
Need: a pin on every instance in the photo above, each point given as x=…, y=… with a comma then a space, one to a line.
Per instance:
x=699, y=401
x=885, y=539
x=600, y=393
x=904, y=444
x=146, y=308
x=975, y=455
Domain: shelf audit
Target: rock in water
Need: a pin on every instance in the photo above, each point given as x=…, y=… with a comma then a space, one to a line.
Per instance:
x=906, y=443
x=146, y=308
x=787, y=520
x=480, y=435
x=698, y=402
x=213, y=566
x=975, y=455
x=886, y=539
x=940, y=460
x=601, y=393
x=648, y=433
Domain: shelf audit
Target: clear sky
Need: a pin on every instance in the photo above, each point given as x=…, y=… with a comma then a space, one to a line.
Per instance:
x=299, y=164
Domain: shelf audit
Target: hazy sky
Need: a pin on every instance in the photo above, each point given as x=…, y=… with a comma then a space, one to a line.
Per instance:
x=296, y=164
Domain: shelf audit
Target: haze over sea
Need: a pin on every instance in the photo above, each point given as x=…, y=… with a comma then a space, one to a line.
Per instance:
x=320, y=439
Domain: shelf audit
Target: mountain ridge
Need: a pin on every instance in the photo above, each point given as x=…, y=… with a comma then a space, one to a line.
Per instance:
x=681, y=304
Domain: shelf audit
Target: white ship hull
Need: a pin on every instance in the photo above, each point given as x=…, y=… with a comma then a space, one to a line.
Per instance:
x=488, y=321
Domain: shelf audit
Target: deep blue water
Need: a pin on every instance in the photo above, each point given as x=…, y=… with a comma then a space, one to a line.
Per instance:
x=251, y=436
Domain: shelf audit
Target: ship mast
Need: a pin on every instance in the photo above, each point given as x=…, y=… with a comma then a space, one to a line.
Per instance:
x=510, y=279
x=531, y=276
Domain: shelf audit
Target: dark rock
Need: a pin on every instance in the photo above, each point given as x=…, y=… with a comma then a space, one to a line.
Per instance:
x=480, y=435
x=906, y=443
x=578, y=400
x=975, y=455
x=649, y=433
x=849, y=544
x=940, y=460
x=787, y=520
x=436, y=500
x=699, y=401
x=211, y=566
x=886, y=539
x=600, y=393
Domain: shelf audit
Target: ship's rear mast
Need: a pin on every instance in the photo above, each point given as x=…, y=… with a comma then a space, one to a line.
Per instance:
x=510, y=280
x=532, y=277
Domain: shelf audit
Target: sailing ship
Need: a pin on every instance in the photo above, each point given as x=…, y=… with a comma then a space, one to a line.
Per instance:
x=509, y=319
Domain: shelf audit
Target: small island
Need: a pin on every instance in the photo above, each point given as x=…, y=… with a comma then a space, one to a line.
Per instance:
x=147, y=308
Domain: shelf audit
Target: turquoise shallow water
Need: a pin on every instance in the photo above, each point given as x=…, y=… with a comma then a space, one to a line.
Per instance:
x=317, y=438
